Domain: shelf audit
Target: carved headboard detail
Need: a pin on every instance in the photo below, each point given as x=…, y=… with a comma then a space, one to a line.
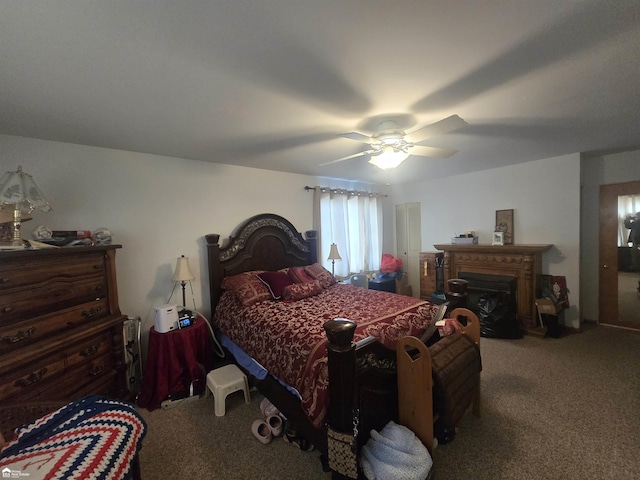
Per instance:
x=263, y=242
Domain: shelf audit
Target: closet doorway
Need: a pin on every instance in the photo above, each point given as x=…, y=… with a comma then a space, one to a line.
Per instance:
x=619, y=299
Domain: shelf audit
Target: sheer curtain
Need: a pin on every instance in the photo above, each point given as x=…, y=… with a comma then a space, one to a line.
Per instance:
x=353, y=221
x=627, y=205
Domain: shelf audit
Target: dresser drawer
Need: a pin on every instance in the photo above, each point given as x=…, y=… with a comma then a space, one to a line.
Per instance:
x=49, y=270
x=78, y=364
x=14, y=335
x=28, y=381
x=80, y=356
x=51, y=297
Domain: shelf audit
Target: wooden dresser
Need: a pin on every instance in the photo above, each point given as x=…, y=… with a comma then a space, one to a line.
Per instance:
x=60, y=325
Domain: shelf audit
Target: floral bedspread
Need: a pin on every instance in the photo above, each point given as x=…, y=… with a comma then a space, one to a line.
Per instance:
x=287, y=338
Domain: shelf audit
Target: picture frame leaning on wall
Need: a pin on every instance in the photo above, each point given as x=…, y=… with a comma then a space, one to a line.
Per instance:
x=504, y=225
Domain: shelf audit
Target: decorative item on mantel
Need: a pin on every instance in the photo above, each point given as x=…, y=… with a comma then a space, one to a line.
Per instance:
x=467, y=238
x=504, y=225
x=20, y=193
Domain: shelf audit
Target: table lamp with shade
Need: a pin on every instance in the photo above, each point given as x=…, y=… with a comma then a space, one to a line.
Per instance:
x=20, y=194
x=183, y=275
x=333, y=256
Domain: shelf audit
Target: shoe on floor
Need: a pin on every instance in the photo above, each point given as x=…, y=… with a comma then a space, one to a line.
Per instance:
x=275, y=425
x=267, y=408
x=261, y=431
x=291, y=437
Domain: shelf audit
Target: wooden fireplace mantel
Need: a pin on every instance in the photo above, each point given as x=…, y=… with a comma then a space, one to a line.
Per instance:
x=520, y=261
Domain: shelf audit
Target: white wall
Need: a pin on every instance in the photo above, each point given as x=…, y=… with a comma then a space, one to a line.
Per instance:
x=156, y=207
x=545, y=197
x=596, y=171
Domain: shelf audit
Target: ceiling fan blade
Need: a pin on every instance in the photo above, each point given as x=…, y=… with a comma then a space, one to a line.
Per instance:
x=431, y=151
x=358, y=137
x=359, y=154
x=446, y=125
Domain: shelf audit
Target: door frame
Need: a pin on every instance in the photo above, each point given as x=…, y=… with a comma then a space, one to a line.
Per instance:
x=608, y=252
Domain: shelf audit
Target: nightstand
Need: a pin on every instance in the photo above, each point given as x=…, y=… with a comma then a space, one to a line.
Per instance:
x=173, y=363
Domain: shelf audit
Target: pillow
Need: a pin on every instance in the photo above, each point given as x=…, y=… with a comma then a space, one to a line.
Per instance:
x=275, y=282
x=318, y=272
x=298, y=291
x=247, y=288
x=299, y=275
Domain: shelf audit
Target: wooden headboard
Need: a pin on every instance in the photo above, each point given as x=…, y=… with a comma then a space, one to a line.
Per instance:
x=263, y=242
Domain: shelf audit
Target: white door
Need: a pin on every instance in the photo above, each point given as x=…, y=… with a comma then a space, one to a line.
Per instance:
x=409, y=242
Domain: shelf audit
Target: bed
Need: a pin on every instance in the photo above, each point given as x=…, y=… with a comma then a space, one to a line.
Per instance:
x=327, y=350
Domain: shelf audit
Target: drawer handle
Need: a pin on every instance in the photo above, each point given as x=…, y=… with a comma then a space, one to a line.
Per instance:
x=31, y=379
x=91, y=313
x=94, y=372
x=87, y=352
x=18, y=337
x=7, y=309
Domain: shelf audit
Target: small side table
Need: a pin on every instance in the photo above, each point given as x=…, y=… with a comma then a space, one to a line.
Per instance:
x=173, y=360
x=384, y=284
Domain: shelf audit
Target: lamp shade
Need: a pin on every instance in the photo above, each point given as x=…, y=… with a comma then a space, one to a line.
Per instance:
x=19, y=190
x=183, y=270
x=333, y=253
x=389, y=158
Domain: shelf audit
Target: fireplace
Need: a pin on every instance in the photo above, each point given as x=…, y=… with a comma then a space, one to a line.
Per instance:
x=519, y=262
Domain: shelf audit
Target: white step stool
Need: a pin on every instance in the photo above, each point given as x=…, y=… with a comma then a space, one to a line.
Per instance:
x=223, y=381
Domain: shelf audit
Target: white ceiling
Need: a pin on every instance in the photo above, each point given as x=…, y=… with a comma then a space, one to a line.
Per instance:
x=272, y=84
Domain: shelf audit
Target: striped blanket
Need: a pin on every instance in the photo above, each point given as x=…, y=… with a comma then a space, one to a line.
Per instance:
x=95, y=438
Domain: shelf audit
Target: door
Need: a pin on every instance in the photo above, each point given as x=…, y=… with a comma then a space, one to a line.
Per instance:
x=409, y=242
x=616, y=287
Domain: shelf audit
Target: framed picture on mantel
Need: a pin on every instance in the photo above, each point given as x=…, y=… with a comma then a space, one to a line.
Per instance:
x=504, y=224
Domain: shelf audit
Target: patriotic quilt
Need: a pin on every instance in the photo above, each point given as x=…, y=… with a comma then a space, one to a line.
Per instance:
x=93, y=438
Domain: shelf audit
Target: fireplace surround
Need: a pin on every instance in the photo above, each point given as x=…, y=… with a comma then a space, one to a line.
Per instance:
x=520, y=262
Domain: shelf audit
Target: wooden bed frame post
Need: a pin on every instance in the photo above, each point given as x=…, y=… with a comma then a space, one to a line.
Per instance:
x=215, y=269
x=341, y=365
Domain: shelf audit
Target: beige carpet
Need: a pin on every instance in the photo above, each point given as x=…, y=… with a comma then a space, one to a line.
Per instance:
x=566, y=408
x=628, y=297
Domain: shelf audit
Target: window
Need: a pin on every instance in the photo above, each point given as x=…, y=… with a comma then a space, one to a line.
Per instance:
x=353, y=221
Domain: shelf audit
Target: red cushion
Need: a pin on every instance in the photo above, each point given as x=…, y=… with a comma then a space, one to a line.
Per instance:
x=298, y=291
x=299, y=275
x=247, y=288
x=275, y=282
x=318, y=272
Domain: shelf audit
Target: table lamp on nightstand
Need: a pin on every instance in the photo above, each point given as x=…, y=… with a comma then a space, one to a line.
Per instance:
x=183, y=275
x=333, y=256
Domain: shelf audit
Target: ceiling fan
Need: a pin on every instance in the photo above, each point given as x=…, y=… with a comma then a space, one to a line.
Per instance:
x=390, y=146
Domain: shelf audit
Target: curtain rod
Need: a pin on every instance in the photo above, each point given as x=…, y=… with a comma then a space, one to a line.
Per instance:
x=342, y=191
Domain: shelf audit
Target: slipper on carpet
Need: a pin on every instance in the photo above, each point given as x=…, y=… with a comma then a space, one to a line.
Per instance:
x=291, y=437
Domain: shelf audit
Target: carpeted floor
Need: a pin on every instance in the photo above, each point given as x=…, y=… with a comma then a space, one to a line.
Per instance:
x=566, y=408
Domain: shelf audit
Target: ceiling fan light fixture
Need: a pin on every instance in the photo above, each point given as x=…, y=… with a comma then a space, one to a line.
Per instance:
x=389, y=158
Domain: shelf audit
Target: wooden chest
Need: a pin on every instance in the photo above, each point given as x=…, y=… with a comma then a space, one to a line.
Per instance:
x=60, y=325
